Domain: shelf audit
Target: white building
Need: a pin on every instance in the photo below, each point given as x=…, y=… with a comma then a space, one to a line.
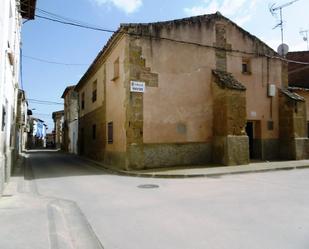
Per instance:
x=37, y=134
x=12, y=13
x=70, y=129
x=58, y=118
x=22, y=122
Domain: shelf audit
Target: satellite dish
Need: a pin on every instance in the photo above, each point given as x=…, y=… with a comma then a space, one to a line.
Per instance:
x=283, y=49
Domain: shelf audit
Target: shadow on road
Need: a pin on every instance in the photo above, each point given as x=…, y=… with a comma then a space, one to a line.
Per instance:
x=53, y=163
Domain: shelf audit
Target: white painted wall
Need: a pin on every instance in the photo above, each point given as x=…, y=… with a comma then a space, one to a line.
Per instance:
x=10, y=27
x=73, y=135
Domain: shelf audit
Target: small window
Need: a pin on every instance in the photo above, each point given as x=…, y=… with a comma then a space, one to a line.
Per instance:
x=246, y=67
x=94, y=132
x=83, y=101
x=270, y=125
x=308, y=129
x=3, y=118
x=110, y=132
x=116, y=69
x=94, y=91
x=295, y=107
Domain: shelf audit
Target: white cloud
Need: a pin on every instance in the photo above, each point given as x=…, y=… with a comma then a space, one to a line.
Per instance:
x=238, y=10
x=128, y=6
x=294, y=44
x=273, y=43
x=302, y=46
x=241, y=20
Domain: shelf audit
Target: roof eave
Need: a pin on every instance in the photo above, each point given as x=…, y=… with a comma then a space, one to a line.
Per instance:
x=117, y=35
x=27, y=8
x=67, y=89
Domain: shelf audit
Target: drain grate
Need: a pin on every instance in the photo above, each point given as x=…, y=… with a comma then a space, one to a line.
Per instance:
x=148, y=186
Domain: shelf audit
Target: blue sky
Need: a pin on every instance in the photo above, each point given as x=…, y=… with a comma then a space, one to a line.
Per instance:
x=55, y=42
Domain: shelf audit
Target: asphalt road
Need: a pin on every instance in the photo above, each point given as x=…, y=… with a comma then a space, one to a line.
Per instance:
x=259, y=210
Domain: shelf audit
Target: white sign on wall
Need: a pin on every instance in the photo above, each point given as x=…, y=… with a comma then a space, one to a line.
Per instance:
x=137, y=86
x=253, y=114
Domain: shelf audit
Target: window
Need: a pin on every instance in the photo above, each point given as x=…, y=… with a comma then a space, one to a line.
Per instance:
x=94, y=132
x=295, y=107
x=83, y=101
x=116, y=69
x=308, y=129
x=270, y=125
x=94, y=91
x=246, y=67
x=110, y=132
x=3, y=118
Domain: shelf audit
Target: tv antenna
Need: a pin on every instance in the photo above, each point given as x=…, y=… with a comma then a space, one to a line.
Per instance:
x=304, y=34
x=273, y=10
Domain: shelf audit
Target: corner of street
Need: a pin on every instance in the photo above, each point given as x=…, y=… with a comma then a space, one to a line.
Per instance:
x=62, y=201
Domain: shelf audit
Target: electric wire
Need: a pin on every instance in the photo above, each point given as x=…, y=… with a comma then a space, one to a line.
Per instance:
x=68, y=21
x=62, y=17
x=38, y=101
x=53, y=62
x=76, y=24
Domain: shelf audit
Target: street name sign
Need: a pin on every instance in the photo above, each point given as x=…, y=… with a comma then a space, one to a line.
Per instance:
x=137, y=86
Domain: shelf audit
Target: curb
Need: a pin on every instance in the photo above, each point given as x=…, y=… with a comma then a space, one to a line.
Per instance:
x=181, y=176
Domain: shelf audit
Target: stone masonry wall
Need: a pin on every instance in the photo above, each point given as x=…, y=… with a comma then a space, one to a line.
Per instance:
x=293, y=128
x=134, y=114
x=222, y=46
x=230, y=144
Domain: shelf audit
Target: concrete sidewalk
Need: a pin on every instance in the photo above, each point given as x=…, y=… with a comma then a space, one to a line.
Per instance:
x=29, y=220
x=210, y=170
x=23, y=215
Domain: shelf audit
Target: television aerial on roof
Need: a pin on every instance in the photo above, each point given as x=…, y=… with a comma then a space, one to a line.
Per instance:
x=273, y=10
x=304, y=34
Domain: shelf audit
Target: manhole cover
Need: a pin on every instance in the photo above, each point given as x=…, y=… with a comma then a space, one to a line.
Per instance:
x=148, y=186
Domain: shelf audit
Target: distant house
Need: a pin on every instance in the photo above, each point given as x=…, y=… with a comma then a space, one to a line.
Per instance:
x=58, y=118
x=70, y=129
x=37, y=134
x=191, y=91
x=299, y=76
x=22, y=122
x=50, y=140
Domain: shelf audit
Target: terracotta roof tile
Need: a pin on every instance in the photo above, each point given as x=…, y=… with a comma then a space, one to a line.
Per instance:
x=292, y=95
x=226, y=80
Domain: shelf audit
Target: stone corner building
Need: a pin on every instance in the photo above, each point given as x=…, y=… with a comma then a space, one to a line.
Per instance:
x=187, y=92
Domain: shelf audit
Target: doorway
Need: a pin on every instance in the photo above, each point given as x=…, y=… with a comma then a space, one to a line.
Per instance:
x=254, y=133
x=250, y=134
